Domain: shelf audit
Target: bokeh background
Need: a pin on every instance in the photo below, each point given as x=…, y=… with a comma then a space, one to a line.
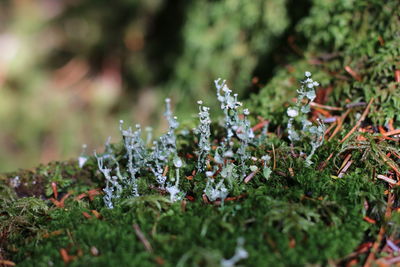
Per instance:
x=71, y=69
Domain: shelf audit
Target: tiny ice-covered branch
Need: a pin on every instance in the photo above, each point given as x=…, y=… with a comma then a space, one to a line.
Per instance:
x=229, y=106
x=235, y=127
x=245, y=135
x=215, y=191
x=136, y=153
x=306, y=95
x=112, y=183
x=204, y=136
x=164, y=147
x=175, y=193
x=83, y=158
x=240, y=254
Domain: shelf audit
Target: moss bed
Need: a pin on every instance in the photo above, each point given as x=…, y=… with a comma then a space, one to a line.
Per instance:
x=55, y=214
x=343, y=210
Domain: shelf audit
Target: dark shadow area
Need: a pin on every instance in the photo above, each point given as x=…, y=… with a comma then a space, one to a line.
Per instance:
x=285, y=48
x=165, y=38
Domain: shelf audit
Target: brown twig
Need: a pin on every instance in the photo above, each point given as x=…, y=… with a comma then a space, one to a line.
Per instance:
x=386, y=179
x=375, y=246
x=54, y=188
x=339, y=124
x=330, y=128
x=397, y=75
x=313, y=104
x=346, y=159
x=250, y=176
x=353, y=74
x=86, y=215
x=393, y=132
x=345, y=168
x=358, y=123
x=273, y=153
x=165, y=170
x=7, y=263
x=325, y=163
x=260, y=125
x=60, y=204
x=142, y=238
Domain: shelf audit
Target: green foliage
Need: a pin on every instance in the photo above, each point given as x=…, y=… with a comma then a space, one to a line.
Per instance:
x=298, y=216
x=310, y=210
x=220, y=34
x=359, y=34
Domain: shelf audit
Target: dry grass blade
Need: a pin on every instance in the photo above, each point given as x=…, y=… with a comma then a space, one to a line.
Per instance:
x=7, y=263
x=371, y=257
x=339, y=124
x=358, y=123
x=393, y=132
x=142, y=238
x=313, y=104
x=386, y=179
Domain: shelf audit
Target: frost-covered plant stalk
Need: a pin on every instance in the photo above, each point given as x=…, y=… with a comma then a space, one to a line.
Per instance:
x=175, y=193
x=229, y=106
x=113, y=187
x=204, y=136
x=306, y=94
x=266, y=169
x=240, y=254
x=83, y=158
x=136, y=153
x=233, y=124
x=245, y=134
x=139, y=158
x=164, y=147
x=214, y=191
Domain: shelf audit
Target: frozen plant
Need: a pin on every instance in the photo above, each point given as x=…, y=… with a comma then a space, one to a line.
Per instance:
x=245, y=135
x=214, y=191
x=229, y=173
x=175, y=193
x=266, y=169
x=15, y=182
x=170, y=138
x=306, y=95
x=204, y=136
x=82, y=158
x=136, y=153
x=317, y=134
x=240, y=254
x=229, y=106
x=164, y=147
x=158, y=159
x=233, y=124
x=112, y=183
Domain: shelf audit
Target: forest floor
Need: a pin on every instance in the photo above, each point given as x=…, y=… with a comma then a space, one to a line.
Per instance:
x=343, y=210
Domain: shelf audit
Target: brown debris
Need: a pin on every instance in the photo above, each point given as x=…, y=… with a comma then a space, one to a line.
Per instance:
x=7, y=263
x=358, y=123
x=374, y=249
x=60, y=204
x=142, y=238
x=353, y=74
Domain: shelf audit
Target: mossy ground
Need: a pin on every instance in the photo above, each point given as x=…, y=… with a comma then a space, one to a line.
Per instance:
x=299, y=216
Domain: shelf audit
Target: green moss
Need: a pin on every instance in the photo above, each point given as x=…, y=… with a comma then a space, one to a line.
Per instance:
x=362, y=35
x=308, y=218
x=299, y=216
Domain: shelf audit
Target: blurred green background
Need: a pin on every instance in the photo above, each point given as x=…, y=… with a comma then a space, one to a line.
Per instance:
x=70, y=69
